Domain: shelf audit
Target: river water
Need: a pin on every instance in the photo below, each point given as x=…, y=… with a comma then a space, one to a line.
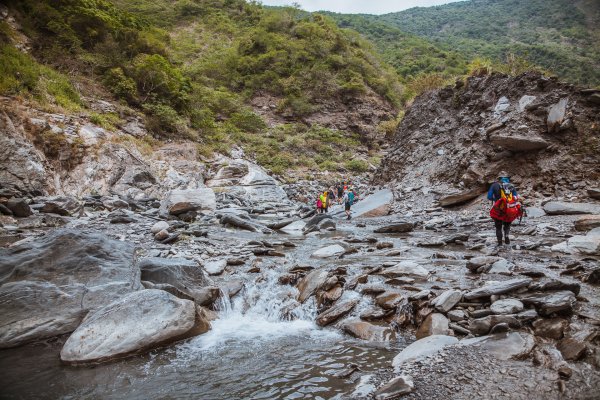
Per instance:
x=264, y=345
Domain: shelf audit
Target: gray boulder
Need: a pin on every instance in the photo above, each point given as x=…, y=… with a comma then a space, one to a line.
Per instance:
x=310, y=283
x=61, y=205
x=447, y=300
x=334, y=250
x=19, y=207
x=31, y=310
x=564, y=208
x=396, y=227
x=335, y=312
x=460, y=198
x=492, y=288
x=179, y=201
x=76, y=271
x=423, y=348
x=367, y=331
x=136, y=322
x=504, y=346
x=185, y=275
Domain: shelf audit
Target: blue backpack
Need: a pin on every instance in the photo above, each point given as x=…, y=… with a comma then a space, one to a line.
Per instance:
x=351, y=198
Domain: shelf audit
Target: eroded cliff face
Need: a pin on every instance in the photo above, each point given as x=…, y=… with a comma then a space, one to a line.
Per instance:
x=545, y=133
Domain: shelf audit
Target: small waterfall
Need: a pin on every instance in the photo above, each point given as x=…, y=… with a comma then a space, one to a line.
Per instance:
x=263, y=310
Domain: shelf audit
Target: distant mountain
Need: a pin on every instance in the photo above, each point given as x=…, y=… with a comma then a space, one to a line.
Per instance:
x=562, y=36
x=409, y=54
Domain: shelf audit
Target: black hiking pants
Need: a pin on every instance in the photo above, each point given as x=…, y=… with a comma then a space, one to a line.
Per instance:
x=499, y=226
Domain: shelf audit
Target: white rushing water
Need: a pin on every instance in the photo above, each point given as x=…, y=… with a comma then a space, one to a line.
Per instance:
x=265, y=310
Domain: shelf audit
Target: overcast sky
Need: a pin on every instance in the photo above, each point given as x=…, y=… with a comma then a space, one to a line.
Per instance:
x=357, y=6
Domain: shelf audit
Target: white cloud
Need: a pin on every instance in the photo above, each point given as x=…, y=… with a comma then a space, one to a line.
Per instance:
x=358, y=6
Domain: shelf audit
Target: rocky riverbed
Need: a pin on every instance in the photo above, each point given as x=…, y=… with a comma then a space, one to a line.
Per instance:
x=217, y=278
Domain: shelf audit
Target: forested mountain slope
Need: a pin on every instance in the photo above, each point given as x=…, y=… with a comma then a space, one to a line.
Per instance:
x=218, y=72
x=562, y=36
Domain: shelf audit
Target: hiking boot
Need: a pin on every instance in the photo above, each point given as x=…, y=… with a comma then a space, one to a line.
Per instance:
x=499, y=242
x=506, y=240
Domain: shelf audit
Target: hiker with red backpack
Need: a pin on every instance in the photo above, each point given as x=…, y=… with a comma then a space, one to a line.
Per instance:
x=506, y=206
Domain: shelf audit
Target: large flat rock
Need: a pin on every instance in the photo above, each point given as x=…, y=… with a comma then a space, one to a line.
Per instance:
x=406, y=268
x=422, y=348
x=504, y=346
x=375, y=205
x=32, y=311
x=76, y=271
x=564, y=208
x=502, y=287
x=136, y=322
x=456, y=199
x=179, y=201
x=367, y=331
x=185, y=275
x=334, y=250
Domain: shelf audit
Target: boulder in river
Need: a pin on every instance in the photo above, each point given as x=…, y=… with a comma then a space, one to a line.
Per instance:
x=34, y=310
x=396, y=227
x=447, y=300
x=477, y=262
x=19, y=207
x=334, y=250
x=594, y=193
x=136, y=322
x=502, y=287
x=433, y=324
x=564, y=208
x=423, y=348
x=244, y=223
x=61, y=205
x=77, y=271
x=310, y=283
x=185, y=275
x=335, y=312
x=367, y=331
x=179, y=201
x=406, y=268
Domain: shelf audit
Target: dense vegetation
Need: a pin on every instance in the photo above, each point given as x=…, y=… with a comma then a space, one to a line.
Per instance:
x=561, y=36
x=192, y=65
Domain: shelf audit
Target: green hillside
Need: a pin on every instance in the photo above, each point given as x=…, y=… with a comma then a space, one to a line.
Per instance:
x=409, y=54
x=562, y=36
x=192, y=67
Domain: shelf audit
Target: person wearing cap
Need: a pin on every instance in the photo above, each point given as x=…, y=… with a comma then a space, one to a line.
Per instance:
x=494, y=193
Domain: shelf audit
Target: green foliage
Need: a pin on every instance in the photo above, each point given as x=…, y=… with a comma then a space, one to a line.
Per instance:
x=357, y=166
x=408, y=54
x=20, y=74
x=561, y=36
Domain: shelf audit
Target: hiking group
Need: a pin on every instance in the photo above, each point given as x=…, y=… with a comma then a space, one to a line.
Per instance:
x=506, y=206
x=343, y=194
